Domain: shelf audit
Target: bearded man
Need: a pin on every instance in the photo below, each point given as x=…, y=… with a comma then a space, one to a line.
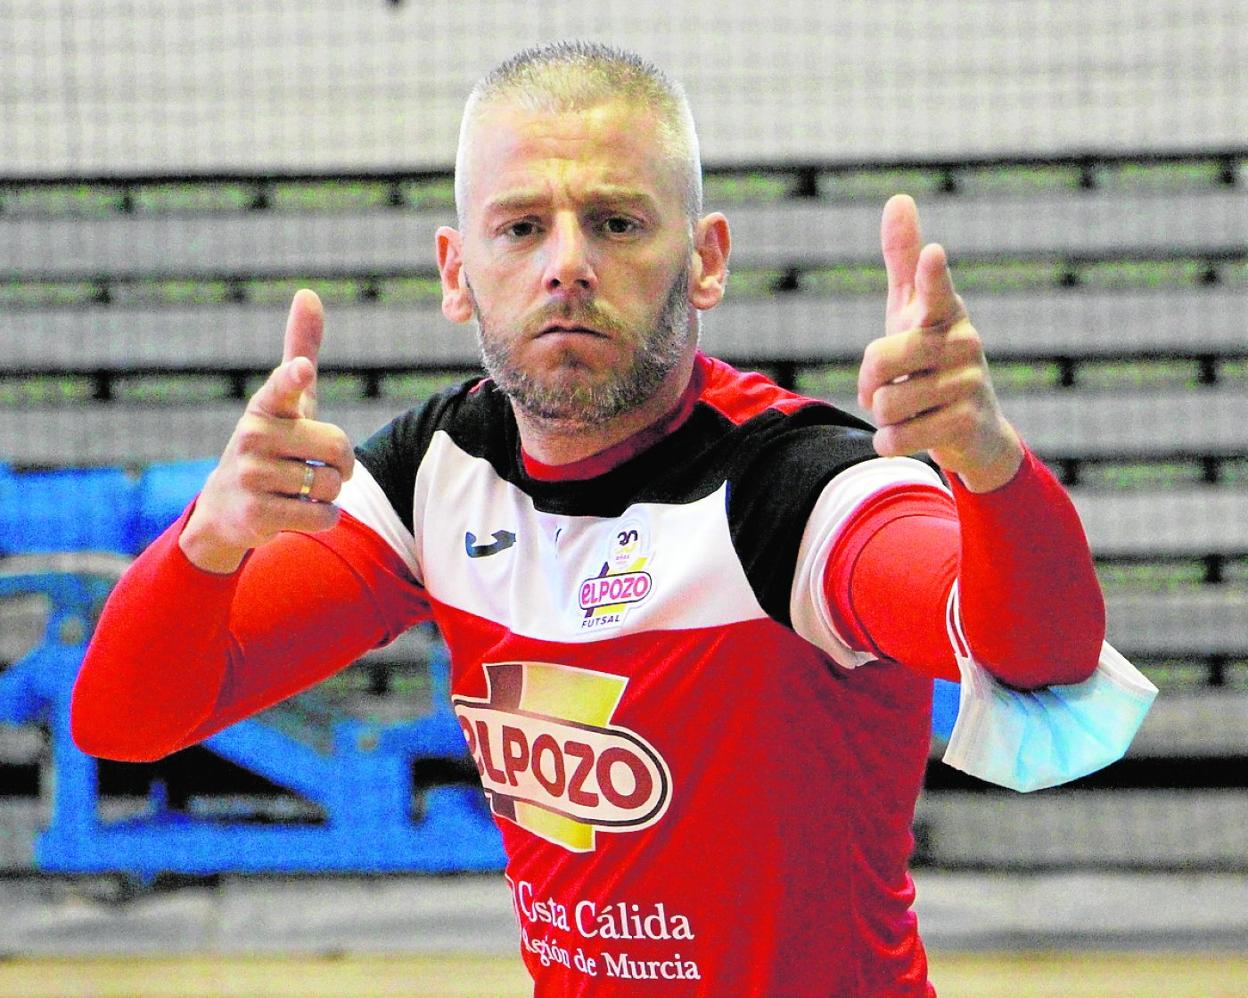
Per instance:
x=694, y=618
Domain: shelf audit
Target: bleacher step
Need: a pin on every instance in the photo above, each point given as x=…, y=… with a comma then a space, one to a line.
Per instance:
x=1144, y=829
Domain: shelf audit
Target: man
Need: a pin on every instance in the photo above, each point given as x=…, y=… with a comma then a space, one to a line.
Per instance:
x=693, y=617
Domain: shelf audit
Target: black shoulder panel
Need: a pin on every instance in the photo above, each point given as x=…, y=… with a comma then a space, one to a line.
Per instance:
x=395, y=451
x=774, y=488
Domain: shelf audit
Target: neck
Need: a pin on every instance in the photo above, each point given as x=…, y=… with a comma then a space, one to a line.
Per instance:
x=556, y=442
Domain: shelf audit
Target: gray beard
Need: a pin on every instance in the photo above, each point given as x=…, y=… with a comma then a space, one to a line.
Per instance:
x=584, y=405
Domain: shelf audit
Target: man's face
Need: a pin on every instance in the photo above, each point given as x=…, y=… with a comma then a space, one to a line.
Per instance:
x=576, y=255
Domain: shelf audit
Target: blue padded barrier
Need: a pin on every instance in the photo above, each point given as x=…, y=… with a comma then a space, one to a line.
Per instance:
x=67, y=535
x=362, y=782
x=944, y=707
x=163, y=493
x=71, y=509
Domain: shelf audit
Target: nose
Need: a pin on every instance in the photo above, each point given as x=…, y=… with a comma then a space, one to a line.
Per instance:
x=569, y=268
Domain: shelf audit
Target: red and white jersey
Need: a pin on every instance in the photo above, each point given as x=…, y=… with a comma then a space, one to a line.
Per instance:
x=698, y=790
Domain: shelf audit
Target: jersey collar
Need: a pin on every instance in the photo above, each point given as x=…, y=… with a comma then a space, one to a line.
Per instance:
x=625, y=450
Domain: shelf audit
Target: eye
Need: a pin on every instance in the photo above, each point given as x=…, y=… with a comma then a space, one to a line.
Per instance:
x=521, y=229
x=620, y=225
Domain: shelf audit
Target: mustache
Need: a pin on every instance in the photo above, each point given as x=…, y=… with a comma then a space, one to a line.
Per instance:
x=582, y=313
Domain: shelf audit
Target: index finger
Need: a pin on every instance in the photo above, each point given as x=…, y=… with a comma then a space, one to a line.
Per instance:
x=938, y=303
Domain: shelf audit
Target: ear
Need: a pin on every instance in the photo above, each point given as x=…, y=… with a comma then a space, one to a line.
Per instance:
x=709, y=274
x=456, y=299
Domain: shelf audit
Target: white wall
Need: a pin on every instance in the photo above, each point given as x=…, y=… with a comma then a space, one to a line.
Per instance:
x=144, y=85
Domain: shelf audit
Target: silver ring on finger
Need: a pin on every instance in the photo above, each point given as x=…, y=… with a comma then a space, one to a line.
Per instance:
x=309, y=473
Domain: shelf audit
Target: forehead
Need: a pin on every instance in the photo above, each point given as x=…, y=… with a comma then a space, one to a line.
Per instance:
x=513, y=149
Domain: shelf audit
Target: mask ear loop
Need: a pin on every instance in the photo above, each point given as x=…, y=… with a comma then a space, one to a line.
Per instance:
x=953, y=626
x=974, y=676
x=970, y=705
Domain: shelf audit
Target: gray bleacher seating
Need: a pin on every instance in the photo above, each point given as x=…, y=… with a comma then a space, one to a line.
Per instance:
x=1083, y=323
x=1172, y=521
x=1065, y=223
x=1057, y=423
x=1170, y=624
x=1070, y=223
x=1149, y=828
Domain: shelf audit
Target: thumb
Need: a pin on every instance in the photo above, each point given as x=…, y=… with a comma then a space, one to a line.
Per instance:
x=305, y=328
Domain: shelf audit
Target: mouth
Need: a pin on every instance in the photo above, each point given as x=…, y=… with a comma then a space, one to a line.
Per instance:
x=568, y=327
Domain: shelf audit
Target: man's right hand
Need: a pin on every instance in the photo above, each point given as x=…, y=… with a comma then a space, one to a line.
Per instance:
x=255, y=490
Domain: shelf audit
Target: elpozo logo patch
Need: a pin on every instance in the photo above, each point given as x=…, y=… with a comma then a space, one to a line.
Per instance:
x=621, y=582
x=551, y=761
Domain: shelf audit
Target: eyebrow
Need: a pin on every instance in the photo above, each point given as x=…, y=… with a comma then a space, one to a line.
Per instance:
x=610, y=194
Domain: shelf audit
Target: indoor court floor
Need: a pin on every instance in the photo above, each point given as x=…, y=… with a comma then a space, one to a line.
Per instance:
x=977, y=975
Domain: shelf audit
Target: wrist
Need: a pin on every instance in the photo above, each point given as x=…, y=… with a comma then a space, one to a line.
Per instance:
x=207, y=552
x=998, y=468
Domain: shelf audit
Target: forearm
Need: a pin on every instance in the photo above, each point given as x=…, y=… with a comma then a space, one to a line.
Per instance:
x=1032, y=609
x=158, y=658
x=180, y=653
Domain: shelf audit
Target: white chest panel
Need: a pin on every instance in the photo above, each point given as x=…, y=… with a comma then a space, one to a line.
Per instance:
x=572, y=578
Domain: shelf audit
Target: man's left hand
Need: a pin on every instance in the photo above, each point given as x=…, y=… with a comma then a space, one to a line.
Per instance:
x=926, y=380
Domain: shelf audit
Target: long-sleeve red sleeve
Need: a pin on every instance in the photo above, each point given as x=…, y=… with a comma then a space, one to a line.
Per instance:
x=158, y=676
x=1032, y=608
x=164, y=668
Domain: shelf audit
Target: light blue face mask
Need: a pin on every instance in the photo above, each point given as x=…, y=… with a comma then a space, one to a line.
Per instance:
x=1032, y=739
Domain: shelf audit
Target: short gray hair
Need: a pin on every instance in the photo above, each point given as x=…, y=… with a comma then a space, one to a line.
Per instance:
x=575, y=76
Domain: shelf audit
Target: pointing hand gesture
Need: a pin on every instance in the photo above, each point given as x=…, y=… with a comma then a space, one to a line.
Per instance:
x=281, y=470
x=926, y=380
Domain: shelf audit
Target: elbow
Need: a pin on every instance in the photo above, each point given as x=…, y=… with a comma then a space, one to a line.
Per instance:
x=1030, y=672
x=108, y=746
x=1065, y=652
x=1057, y=646
x=100, y=732
x=95, y=741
